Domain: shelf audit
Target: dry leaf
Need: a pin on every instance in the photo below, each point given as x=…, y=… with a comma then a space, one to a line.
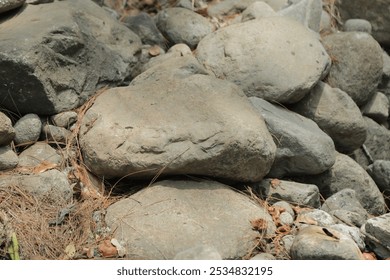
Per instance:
x=154, y=50
x=44, y=166
x=275, y=183
x=89, y=252
x=259, y=225
x=369, y=256
x=107, y=249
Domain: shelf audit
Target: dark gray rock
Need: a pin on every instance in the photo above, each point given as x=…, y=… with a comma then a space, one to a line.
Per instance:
x=384, y=85
x=39, y=153
x=357, y=64
x=380, y=172
x=7, y=132
x=377, y=108
x=320, y=243
x=295, y=193
x=7, y=5
x=171, y=216
x=377, y=232
x=51, y=185
x=302, y=147
x=345, y=207
x=27, y=129
x=145, y=27
x=342, y=120
x=377, y=141
x=8, y=158
x=346, y=173
x=256, y=53
x=357, y=24
x=177, y=122
x=73, y=49
x=181, y=25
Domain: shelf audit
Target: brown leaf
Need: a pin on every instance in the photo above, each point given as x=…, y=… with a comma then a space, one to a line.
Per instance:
x=369, y=256
x=275, y=183
x=306, y=220
x=107, y=249
x=154, y=50
x=44, y=166
x=259, y=224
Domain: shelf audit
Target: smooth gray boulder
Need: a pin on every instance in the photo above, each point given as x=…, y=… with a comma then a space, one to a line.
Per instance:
x=377, y=232
x=274, y=190
x=200, y=252
x=191, y=124
x=307, y=12
x=342, y=120
x=357, y=24
x=255, y=55
x=380, y=172
x=375, y=11
x=321, y=243
x=51, y=185
x=7, y=131
x=7, y=5
x=346, y=173
x=169, y=217
x=55, y=134
x=353, y=232
x=378, y=140
x=257, y=10
x=8, y=158
x=357, y=64
x=180, y=25
x=302, y=147
x=73, y=49
x=377, y=108
x=39, y=153
x=27, y=129
x=345, y=207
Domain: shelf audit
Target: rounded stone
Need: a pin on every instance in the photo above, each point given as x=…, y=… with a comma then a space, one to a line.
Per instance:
x=27, y=129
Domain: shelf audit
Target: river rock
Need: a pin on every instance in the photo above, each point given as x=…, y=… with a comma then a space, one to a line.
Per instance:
x=145, y=27
x=7, y=132
x=346, y=173
x=73, y=49
x=191, y=124
x=302, y=147
x=7, y=5
x=380, y=172
x=377, y=231
x=314, y=217
x=378, y=140
x=342, y=121
x=357, y=24
x=375, y=11
x=307, y=12
x=51, y=185
x=200, y=252
x=27, y=129
x=353, y=232
x=274, y=190
x=169, y=217
x=377, y=108
x=56, y=134
x=39, y=153
x=180, y=25
x=64, y=119
x=357, y=64
x=257, y=10
x=384, y=85
x=8, y=158
x=256, y=53
x=320, y=243
x=345, y=207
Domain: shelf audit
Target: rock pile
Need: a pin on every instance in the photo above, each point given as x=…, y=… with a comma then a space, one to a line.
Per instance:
x=265, y=95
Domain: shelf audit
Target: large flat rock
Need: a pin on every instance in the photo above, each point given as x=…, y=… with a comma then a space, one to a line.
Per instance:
x=172, y=216
x=54, y=56
x=190, y=125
